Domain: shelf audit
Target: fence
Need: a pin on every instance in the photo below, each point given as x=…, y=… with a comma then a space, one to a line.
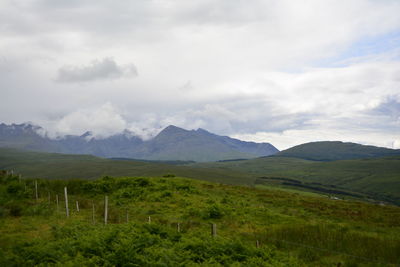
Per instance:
x=179, y=225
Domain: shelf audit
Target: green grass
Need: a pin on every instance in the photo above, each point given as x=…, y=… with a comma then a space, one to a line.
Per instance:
x=376, y=178
x=293, y=229
x=63, y=166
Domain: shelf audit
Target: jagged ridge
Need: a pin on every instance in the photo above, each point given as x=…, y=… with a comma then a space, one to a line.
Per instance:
x=172, y=143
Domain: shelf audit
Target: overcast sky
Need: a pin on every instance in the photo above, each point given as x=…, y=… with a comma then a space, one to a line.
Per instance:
x=284, y=71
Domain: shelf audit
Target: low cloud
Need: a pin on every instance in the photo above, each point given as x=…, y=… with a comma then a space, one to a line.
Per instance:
x=103, y=69
x=101, y=122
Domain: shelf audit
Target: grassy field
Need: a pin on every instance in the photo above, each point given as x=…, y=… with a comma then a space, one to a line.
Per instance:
x=63, y=166
x=377, y=178
x=292, y=229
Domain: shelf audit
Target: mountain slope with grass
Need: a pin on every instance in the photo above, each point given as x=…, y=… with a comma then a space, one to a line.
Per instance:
x=335, y=150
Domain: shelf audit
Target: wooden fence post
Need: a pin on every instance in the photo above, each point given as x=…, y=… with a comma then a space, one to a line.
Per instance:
x=257, y=244
x=149, y=220
x=105, y=209
x=77, y=206
x=178, y=227
x=93, y=212
x=36, y=190
x=57, y=201
x=66, y=201
x=213, y=230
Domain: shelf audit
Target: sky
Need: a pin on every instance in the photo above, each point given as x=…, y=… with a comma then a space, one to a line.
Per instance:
x=279, y=71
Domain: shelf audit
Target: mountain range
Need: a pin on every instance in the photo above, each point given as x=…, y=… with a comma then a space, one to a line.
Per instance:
x=172, y=143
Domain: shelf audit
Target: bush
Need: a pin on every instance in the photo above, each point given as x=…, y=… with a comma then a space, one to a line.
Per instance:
x=3, y=212
x=214, y=212
x=15, y=189
x=14, y=208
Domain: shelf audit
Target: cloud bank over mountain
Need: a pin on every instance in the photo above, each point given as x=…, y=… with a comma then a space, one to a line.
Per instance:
x=283, y=72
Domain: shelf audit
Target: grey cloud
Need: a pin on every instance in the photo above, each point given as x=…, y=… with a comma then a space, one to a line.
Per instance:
x=224, y=12
x=390, y=107
x=238, y=114
x=106, y=68
x=249, y=66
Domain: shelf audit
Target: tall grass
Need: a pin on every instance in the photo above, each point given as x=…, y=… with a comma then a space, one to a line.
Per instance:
x=332, y=239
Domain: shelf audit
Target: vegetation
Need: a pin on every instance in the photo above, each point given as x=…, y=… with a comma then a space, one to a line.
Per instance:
x=377, y=178
x=374, y=178
x=292, y=229
x=63, y=166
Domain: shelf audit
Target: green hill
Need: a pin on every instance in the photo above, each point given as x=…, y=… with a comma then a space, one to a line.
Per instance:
x=329, y=151
x=253, y=227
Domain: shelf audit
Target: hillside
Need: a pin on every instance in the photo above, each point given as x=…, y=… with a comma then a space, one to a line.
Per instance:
x=172, y=143
x=376, y=177
x=156, y=221
x=335, y=150
x=63, y=166
x=366, y=178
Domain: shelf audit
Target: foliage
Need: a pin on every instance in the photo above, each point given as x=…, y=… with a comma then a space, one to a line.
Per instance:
x=292, y=229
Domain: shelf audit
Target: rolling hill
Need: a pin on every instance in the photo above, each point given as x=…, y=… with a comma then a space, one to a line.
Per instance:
x=335, y=150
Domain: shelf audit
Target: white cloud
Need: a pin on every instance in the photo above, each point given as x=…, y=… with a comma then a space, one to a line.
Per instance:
x=103, y=69
x=396, y=144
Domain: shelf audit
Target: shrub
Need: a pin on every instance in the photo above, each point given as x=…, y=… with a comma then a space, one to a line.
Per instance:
x=214, y=212
x=15, y=208
x=15, y=189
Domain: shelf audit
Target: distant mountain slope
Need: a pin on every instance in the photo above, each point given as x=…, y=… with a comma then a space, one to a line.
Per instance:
x=200, y=145
x=172, y=143
x=377, y=177
x=330, y=151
